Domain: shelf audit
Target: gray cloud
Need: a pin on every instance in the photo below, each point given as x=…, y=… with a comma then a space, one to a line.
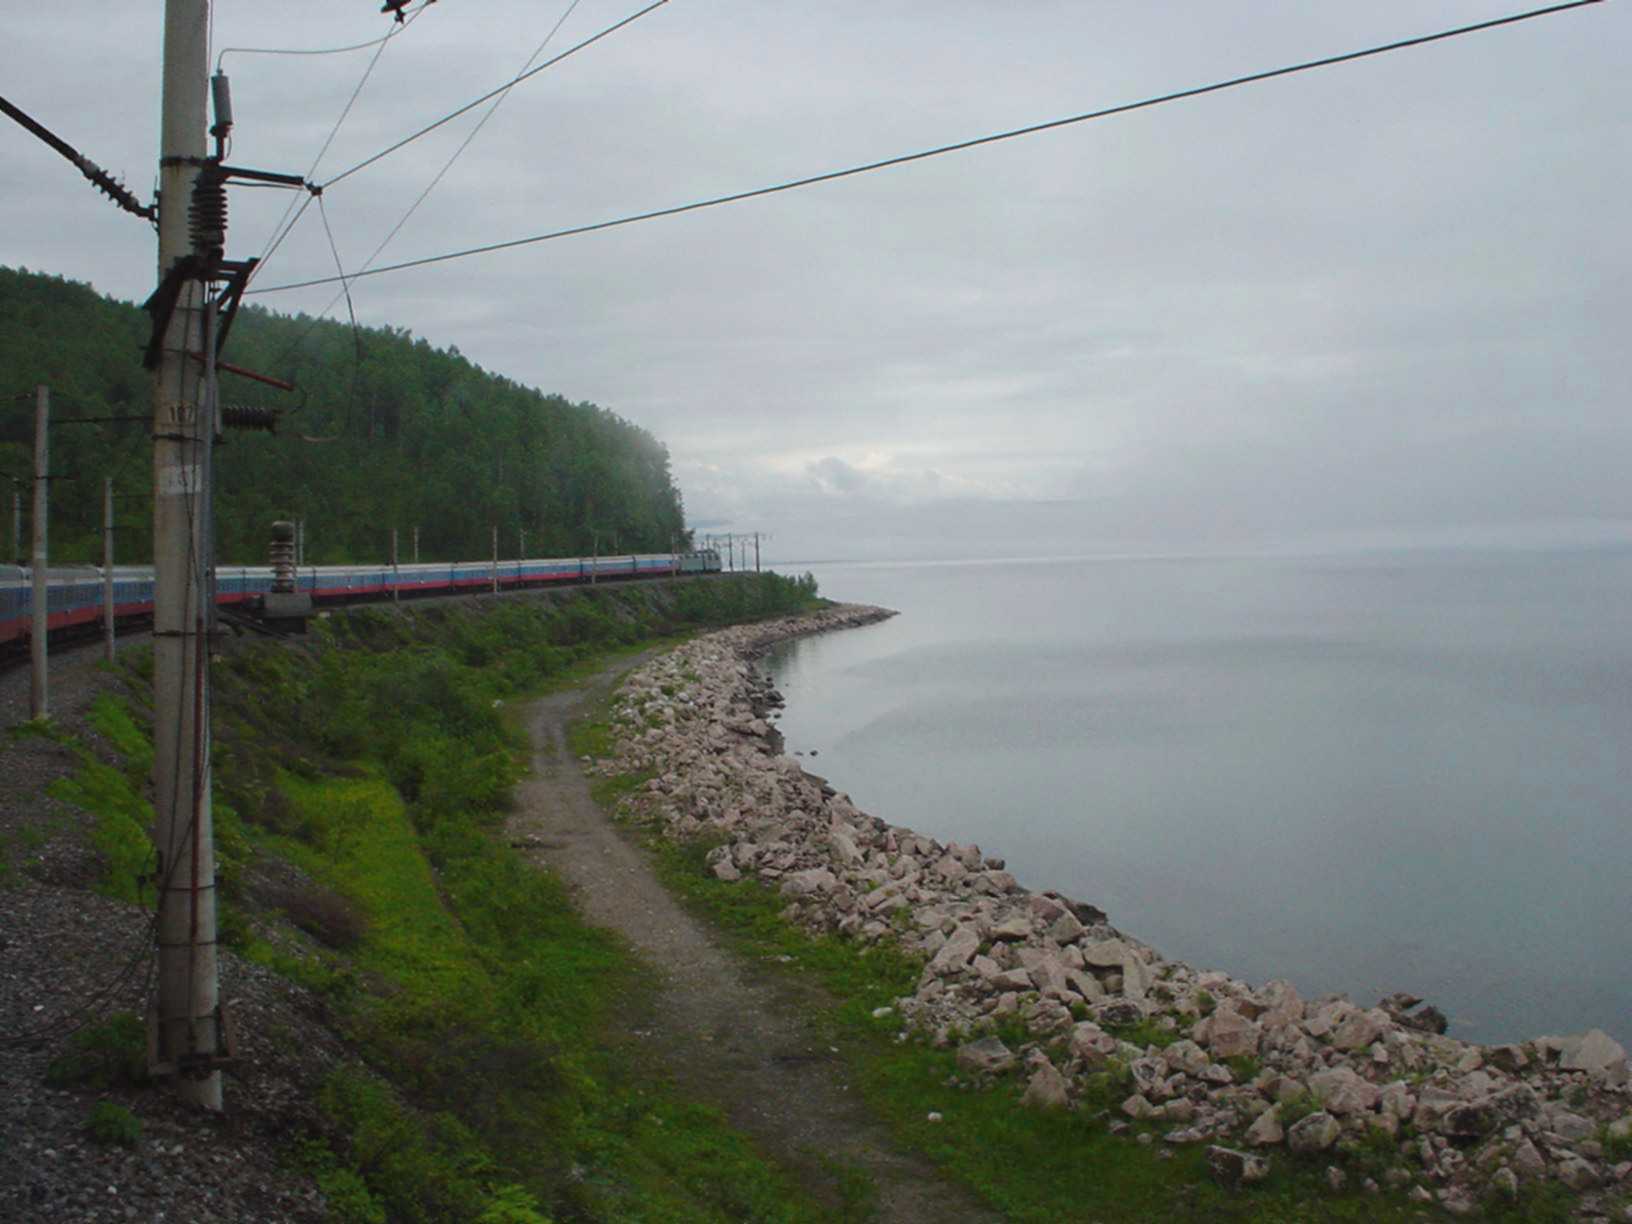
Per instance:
x=1385, y=296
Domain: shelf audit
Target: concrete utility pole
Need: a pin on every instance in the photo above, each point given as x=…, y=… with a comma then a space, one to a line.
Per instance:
x=396, y=576
x=186, y=1031
x=107, y=568
x=495, y=558
x=756, y=552
x=39, y=623
x=416, y=545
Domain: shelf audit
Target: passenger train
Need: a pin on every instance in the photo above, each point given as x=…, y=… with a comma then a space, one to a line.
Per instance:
x=75, y=594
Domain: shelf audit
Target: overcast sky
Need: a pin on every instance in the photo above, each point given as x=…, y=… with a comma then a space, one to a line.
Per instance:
x=1384, y=297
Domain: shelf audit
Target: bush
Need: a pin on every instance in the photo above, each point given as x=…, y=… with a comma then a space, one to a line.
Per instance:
x=111, y=1124
x=112, y=1054
x=348, y=1198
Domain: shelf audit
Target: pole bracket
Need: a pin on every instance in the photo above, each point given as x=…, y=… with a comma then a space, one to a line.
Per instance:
x=194, y=1064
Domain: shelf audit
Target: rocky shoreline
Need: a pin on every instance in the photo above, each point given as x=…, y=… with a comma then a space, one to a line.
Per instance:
x=1258, y=1073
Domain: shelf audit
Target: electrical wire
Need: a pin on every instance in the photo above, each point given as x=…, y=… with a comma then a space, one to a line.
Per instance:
x=281, y=231
x=506, y=87
x=279, y=236
x=356, y=332
x=469, y=137
x=431, y=186
x=941, y=150
x=362, y=46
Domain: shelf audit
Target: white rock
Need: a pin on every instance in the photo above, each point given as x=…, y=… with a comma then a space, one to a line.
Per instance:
x=956, y=954
x=1232, y=1168
x=1013, y=928
x=1105, y=954
x=844, y=847
x=1528, y=1162
x=1091, y=1043
x=1315, y=1133
x=1266, y=1129
x=1046, y=1089
x=1359, y=1029
x=1342, y=1092
x=1085, y=984
x=1228, y=1034
x=1596, y=1053
x=1137, y=978
x=1137, y=1107
x=1185, y=1056
x=986, y=1056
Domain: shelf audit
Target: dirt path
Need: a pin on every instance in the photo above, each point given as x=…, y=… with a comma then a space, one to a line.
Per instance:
x=732, y=1040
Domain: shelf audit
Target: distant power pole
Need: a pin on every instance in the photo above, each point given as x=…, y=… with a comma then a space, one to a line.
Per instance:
x=107, y=568
x=187, y=1031
x=416, y=545
x=39, y=623
x=396, y=577
x=756, y=552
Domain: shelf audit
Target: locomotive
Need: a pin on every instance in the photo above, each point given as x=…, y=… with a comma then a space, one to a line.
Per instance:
x=75, y=593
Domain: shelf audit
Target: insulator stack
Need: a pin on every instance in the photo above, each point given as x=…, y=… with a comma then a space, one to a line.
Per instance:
x=282, y=555
x=249, y=416
x=207, y=214
x=221, y=93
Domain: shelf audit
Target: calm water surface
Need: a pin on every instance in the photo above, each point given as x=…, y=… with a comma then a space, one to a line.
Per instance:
x=1363, y=773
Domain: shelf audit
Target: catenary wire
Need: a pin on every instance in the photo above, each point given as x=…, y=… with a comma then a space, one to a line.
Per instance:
x=362, y=46
x=469, y=137
x=281, y=231
x=440, y=175
x=941, y=150
x=356, y=332
x=492, y=93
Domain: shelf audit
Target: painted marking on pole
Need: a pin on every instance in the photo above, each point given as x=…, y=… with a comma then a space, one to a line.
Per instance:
x=180, y=480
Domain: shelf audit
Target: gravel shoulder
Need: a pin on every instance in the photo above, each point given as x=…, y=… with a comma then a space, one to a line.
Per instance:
x=728, y=1036
x=69, y=957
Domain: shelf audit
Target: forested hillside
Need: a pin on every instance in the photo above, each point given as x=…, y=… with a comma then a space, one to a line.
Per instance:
x=403, y=434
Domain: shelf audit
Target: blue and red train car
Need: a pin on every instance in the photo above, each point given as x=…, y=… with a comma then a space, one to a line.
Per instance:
x=75, y=594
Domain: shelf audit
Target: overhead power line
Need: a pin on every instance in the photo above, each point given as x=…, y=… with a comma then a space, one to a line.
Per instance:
x=283, y=230
x=493, y=93
x=362, y=46
x=100, y=178
x=470, y=136
x=941, y=150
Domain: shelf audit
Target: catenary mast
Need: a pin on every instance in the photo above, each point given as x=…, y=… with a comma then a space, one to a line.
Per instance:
x=186, y=1018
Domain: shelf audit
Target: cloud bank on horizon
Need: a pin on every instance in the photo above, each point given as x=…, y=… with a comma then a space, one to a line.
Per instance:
x=1386, y=296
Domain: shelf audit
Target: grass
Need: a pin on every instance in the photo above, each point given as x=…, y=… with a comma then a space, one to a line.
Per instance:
x=495, y=1084
x=114, y=796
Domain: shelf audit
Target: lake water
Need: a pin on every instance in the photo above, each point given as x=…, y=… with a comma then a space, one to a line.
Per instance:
x=1364, y=773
